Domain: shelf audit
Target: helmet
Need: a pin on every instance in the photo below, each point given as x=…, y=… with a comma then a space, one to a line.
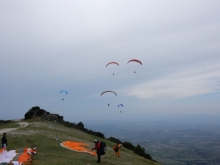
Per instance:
x=95, y=141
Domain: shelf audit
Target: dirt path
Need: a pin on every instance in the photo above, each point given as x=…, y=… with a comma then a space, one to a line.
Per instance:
x=22, y=125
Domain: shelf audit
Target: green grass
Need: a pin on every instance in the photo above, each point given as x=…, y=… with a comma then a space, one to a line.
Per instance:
x=41, y=134
x=11, y=124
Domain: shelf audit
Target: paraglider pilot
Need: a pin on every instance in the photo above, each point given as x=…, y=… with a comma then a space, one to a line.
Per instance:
x=118, y=150
x=4, y=141
x=98, y=150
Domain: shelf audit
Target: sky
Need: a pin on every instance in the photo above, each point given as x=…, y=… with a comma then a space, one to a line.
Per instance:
x=49, y=46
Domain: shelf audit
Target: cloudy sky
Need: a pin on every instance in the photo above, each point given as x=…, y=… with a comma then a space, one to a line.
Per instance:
x=49, y=46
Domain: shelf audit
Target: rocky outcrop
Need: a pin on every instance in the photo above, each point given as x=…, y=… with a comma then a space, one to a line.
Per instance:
x=52, y=117
x=38, y=112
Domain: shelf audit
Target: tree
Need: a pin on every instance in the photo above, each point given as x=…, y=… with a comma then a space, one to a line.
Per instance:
x=99, y=134
x=80, y=125
x=114, y=140
x=139, y=150
x=128, y=146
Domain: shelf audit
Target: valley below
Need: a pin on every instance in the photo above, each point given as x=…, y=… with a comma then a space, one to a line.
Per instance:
x=170, y=143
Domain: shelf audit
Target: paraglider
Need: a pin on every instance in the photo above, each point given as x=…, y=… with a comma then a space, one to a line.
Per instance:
x=135, y=60
x=112, y=63
x=121, y=106
x=107, y=92
x=63, y=91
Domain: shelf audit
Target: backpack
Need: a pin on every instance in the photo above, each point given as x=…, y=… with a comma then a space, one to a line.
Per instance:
x=115, y=148
x=103, y=148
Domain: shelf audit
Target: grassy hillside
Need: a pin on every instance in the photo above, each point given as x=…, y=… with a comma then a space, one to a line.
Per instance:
x=41, y=134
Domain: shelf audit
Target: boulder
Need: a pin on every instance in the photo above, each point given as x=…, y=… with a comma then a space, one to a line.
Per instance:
x=38, y=112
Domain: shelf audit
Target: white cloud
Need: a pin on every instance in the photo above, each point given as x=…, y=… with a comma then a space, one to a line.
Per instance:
x=180, y=84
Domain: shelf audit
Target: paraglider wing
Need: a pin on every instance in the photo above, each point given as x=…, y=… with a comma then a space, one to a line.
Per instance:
x=135, y=60
x=64, y=91
x=120, y=105
x=108, y=91
x=112, y=63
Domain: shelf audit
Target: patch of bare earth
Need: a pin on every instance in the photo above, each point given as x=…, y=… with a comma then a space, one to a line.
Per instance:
x=6, y=130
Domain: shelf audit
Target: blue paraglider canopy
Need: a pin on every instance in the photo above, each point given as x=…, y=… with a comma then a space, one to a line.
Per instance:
x=64, y=91
x=120, y=105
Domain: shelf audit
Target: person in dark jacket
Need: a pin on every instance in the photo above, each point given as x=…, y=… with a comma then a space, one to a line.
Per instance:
x=98, y=149
x=4, y=141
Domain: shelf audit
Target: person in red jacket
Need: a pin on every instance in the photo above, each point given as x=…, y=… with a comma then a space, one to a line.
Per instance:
x=98, y=150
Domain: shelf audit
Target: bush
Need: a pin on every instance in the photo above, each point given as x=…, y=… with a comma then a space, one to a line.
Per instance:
x=128, y=146
x=141, y=151
x=80, y=125
x=114, y=140
x=99, y=134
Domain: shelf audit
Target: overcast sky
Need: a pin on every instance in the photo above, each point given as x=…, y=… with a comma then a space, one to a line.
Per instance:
x=49, y=46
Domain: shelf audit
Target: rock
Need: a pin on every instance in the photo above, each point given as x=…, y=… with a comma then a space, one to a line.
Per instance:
x=38, y=112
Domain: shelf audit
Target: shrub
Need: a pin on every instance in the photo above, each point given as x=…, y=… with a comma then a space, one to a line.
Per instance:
x=128, y=146
x=80, y=125
x=99, y=134
x=114, y=140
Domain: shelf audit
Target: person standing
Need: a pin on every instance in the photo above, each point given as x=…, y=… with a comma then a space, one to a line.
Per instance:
x=4, y=141
x=117, y=149
x=98, y=149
